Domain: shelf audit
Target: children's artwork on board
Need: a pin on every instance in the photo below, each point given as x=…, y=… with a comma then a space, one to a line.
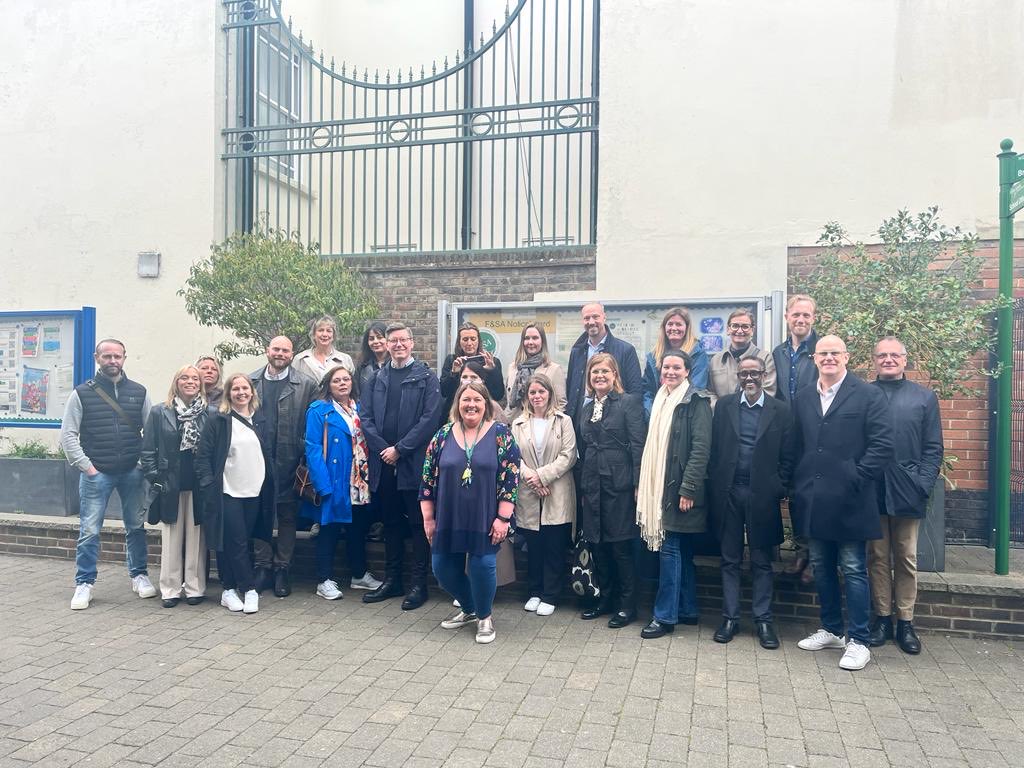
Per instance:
x=35, y=382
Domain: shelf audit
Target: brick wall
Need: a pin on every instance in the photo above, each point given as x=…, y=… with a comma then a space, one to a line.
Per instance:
x=408, y=286
x=965, y=420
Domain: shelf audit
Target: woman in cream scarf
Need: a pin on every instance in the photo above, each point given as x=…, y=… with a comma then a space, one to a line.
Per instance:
x=670, y=499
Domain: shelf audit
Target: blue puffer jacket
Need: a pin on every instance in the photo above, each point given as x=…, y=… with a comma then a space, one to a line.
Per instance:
x=331, y=476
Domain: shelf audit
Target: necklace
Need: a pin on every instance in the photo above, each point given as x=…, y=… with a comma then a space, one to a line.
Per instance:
x=467, y=473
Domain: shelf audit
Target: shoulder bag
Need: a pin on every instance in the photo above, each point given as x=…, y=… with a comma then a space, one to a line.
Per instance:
x=303, y=485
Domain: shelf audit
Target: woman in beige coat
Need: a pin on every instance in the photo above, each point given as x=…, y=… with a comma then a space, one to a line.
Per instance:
x=546, y=507
x=532, y=358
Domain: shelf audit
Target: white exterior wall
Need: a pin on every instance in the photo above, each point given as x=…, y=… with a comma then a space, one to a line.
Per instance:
x=732, y=129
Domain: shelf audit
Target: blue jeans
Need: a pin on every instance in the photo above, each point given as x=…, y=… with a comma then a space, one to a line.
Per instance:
x=677, y=579
x=94, y=493
x=850, y=558
x=474, y=592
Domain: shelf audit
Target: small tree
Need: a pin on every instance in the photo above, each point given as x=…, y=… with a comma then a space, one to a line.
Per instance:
x=919, y=288
x=265, y=283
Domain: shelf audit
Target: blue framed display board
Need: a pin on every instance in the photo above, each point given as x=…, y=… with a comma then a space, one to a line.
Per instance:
x=44, y=355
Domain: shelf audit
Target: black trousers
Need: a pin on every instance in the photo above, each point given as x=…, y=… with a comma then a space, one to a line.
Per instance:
x=355, y=544
x=615, y=564
x=233, y=562
x=545, y=560
x=737, y=518
x=401, y=513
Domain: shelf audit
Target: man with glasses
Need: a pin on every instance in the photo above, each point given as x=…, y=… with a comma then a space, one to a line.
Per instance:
x=399, y=413
x=844, y=443
x=902, y=495
x=723, y=366
x=749, y=472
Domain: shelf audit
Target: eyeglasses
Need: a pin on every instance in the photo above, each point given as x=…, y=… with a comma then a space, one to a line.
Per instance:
x=749, y=374
x=830, y=353
x=890, y=355
x=740, y=326
x=399, y=342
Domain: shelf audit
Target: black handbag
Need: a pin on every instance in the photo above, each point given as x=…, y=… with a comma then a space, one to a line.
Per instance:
x=582, y=578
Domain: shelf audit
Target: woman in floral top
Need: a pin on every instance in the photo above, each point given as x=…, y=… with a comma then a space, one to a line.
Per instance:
x=468, y=495
x=339, y=474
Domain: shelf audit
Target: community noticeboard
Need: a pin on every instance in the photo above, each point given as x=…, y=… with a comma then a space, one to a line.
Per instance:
x=635, y=322
x=40, y=364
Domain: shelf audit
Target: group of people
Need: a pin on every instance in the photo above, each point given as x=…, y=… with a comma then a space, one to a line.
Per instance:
x=693, y=443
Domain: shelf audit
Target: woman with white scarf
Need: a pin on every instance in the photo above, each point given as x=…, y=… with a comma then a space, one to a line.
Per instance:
x=168, y=452
x=671, y=506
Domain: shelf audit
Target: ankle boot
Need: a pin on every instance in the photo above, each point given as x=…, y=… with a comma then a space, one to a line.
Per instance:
x=880, y=631
x=906, y=638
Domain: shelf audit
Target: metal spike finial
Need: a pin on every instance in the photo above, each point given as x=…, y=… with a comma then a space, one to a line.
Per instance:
x=342, y=66
x=446, y=62
x=456, y=58
x=423, y=72
x=481, y=39
x=494, y=26
x=433, y=68
x=376, y=75
x=366, y=74
x=506, y=11
x=399, y=76
x=300, y=37
x=289, y=23
x=410, y=73
x=321, y=57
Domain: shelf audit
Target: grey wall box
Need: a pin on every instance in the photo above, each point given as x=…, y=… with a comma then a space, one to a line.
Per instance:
x=149, y=264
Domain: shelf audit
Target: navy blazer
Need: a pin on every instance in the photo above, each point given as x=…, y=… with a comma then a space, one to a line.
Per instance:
x=841, y=456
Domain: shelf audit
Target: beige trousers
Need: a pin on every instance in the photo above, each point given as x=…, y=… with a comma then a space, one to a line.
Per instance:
x=182, y=554
x=892, y=563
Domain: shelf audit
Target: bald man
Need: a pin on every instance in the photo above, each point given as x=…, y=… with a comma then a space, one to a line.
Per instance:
x=284, y=395
x=597, y=337
x=844, y=442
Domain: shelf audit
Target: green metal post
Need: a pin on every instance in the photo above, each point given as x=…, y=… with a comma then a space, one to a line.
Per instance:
x=1007, y=173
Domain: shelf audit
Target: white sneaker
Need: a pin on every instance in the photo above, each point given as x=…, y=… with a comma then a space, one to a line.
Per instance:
x=545, y=609
x=820, y=640
x=252, y=601
x=457, y=620
x=456, y=603
x=366, y=581
x=531, y=604
x=328, y=590
x=856, y=657
x=82, y=598
x=485, y=631
x=142, y=586
x=231, y=601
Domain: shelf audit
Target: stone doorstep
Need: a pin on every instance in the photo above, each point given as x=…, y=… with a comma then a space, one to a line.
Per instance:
x=961, y=604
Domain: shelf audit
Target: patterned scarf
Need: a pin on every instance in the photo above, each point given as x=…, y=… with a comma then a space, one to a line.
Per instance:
x=187, y=415
x=598, y=408
x=523, y=374
x=360, y=480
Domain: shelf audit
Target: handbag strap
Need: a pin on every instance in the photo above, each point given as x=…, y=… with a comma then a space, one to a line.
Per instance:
x=243, y=420
x=113, y=404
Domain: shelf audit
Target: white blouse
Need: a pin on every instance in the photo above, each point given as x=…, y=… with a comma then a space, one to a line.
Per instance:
x=244, y=469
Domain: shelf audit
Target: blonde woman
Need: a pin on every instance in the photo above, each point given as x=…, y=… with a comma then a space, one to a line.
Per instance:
x=532, y=357
x=231, y=467
x=315, y=361
x=676, y=333
x=209, y=369
x=168, y=462
x=546, y=508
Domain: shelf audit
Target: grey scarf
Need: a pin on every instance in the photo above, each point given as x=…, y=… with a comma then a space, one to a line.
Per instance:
x=526, y=369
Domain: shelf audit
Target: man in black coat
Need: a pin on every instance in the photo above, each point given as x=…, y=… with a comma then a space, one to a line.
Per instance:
x=751, y=462
x=902, y=495
x=844, y=442
x=597, y=337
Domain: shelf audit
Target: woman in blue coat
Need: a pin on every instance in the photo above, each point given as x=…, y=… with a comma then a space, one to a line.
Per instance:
x=676, y=334
x=339, y=471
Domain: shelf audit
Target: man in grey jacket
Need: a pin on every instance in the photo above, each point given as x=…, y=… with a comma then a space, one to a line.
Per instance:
x=284, y=396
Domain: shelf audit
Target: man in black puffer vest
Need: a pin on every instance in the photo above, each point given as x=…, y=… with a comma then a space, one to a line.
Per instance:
x=101, y=435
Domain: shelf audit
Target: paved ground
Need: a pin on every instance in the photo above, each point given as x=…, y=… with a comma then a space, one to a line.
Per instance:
x=310, y=683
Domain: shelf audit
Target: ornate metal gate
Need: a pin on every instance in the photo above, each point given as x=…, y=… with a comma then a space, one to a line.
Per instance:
x=494, y=148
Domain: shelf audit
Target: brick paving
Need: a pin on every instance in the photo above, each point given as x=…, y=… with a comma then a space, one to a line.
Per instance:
x=310, y=683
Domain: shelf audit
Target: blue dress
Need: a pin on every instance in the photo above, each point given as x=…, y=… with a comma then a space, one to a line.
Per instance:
x=465, y=513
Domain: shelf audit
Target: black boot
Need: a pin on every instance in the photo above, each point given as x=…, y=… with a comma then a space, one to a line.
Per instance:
x=389, y=588
x=262, y=579
x=282, y=583
x=600, y=608
x=416, y=597
x=727, y=631
x=881, y=630
x=906, y=638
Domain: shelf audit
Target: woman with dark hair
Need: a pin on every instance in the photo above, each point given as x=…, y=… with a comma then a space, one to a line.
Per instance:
x=546, y=508
x=671, y=506
x=612, y=433
x=468, y=350
x=373, y=354
x=314, y=362
x=467, y=498
x=209, y=369
x=339, y=470
x=168, y=460
x=676, y=333
x=532, y=357
x=473, y=371
x=231, y=468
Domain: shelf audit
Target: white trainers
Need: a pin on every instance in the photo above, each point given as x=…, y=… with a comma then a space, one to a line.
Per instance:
x=328, y=590
x=252, y=601
x=856, y=657
x=231, y=600
x=545, y=609
x=821, y=640
x=485, y=631
x=366, y=581
x=531, y=604
x=457, y=620
x=142, y=586
x=82, y=598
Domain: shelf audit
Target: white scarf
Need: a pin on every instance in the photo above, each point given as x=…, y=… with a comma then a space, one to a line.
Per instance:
x=652, y=467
